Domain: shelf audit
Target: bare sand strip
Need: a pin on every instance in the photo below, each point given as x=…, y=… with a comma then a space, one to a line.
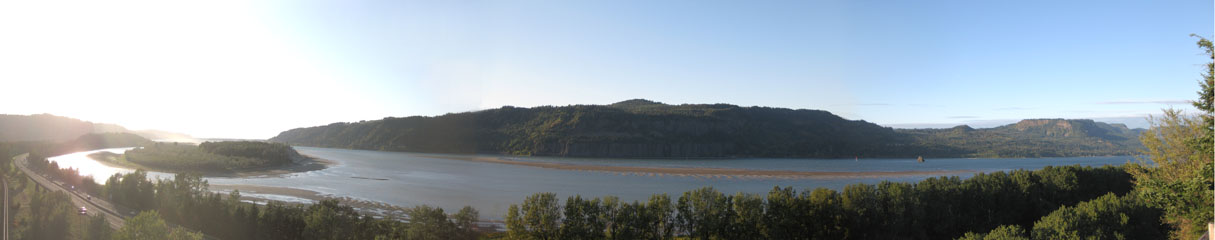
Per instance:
x=373, y=208
x=700, y=172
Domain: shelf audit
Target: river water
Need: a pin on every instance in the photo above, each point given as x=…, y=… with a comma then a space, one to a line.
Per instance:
x=409, y=179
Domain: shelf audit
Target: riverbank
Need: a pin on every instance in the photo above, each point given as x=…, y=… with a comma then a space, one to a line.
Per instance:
x=381, y=210
x=264, y=194
x=702, y=172
x=301, y=163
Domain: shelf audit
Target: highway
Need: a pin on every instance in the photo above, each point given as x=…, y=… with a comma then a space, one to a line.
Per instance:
x=113, y=214
x=6, y=207
x=95, y=206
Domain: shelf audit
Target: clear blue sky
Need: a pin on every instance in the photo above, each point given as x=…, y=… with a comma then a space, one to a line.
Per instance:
x=235, y=69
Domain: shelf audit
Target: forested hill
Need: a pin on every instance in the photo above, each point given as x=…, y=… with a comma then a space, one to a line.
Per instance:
x=41, y=127
x=1031, y=138
x=46, y=127
x=642, y=128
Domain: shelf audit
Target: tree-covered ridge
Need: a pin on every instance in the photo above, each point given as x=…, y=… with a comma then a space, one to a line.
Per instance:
x=211, y=156
x=46, y=127
x=592, y=130
x=648, y=129
x=84, y=142
x=1030, y=138
x=41, y=127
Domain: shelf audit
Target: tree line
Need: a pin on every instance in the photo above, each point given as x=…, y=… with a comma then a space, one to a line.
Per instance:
x=935, y=208
x=185, y=200
x=211, y=156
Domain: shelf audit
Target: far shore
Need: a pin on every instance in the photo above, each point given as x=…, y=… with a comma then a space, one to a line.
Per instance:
x=702, y=172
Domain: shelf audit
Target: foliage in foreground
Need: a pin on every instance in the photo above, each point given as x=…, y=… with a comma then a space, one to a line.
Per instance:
x=185, y=200
x=1176, y=172
x=149, y=226
x=936, y=208
x=39, y=213
x=1105, y=217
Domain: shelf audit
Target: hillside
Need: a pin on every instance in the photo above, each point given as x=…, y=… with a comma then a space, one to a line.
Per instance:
x=628, y=129
x=46, y=127
x=90, y=141
x=41, y=127
x=1032, y=138
x=646, y=129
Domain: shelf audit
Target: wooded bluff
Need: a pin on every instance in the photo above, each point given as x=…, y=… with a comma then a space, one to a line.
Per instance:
x=645, y=129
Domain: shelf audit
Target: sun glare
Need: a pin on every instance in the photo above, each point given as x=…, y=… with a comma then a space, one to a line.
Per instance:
x=154, y=64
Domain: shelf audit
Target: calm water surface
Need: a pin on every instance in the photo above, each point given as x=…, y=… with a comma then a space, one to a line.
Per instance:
x=414, y=179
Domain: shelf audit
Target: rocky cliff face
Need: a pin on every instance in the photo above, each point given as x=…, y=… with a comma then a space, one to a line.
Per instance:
x=1074, y=128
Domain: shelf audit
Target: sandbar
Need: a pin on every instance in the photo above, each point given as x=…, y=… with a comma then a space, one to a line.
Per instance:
x=702, y=172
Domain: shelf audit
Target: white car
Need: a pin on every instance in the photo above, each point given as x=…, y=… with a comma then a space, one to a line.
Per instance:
x=84, y=211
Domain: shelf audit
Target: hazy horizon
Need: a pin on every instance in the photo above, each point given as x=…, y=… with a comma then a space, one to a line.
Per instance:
x=234, y=69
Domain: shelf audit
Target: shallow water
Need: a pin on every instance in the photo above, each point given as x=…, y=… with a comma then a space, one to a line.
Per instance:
x=414, y=179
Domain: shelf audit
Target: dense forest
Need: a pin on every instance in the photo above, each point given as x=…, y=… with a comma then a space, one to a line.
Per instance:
x=647, y=129
x=211, y=156
x=936, y=208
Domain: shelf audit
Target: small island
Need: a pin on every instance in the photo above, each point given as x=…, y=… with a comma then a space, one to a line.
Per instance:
x=216, y=158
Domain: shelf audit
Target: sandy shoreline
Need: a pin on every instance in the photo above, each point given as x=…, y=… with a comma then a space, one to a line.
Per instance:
x=251, y=192
x=306, y=164
x=701, y=172
x=303, y=164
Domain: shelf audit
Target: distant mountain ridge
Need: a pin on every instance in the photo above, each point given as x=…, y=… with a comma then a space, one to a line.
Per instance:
x=640, y=128
x=1034, y=138
x=47, y=127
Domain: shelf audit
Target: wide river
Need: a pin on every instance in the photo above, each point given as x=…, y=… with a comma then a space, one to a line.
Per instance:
x=409, y=179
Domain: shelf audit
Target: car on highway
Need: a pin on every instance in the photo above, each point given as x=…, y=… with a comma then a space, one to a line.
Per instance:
x=84, y=211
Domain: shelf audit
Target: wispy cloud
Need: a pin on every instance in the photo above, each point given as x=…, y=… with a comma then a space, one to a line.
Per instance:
x=865, y=104
x=1012, y=108
x=921, y=125
x=1147, y=102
